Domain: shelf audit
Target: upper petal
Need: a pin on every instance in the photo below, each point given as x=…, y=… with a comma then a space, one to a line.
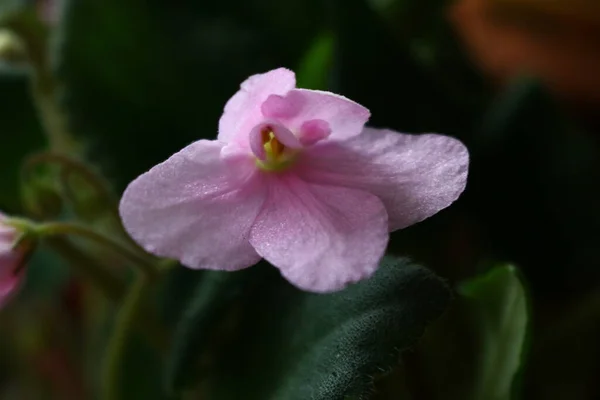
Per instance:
x=414, y=175
x=243, y=111
x=321, y=238
x=345, y=117
x=196, y=207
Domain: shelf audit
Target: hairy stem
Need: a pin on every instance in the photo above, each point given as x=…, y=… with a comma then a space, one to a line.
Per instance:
x=140, y=262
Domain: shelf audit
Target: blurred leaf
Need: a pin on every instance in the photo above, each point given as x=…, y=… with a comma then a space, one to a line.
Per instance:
x=9, y=7
x=484, y=338
x=213, y=295
x=143, y=79
x=315, y=69
x=532, y=168
x=179, y=287
x=20, y=131
x=500, y=311
x=296, y=345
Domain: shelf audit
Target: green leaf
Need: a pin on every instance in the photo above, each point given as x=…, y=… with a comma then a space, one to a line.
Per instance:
x=484, y=337
x=292, y=345
x=315, y=69
x=500, y=308
x=207, y=304
x=20, y=132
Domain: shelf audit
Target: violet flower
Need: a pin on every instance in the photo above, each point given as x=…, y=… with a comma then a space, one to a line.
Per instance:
x=294, y=177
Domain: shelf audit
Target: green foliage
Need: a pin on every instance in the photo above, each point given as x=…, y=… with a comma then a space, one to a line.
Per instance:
x=207, y=305
x=499, y=309
x=294, y=345
x=485, y=337
x=314, y=72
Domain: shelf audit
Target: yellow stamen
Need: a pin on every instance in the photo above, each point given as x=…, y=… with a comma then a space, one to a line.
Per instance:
x=277, y=148
x=278, y=157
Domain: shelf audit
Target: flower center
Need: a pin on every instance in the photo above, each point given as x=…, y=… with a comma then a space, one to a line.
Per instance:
x=271, y=154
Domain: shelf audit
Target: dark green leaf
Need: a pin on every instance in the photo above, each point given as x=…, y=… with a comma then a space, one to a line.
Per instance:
x=500, y=313
x=296, y=345
x=206, y=306
x=484, y=338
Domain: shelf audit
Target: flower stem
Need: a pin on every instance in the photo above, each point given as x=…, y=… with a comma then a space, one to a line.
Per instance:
x=143, y=264
x=117, y=346
x=71, y=166
x=44, y=85
x=52, y=118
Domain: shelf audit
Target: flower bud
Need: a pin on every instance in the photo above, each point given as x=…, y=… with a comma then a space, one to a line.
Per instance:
x=13, y=255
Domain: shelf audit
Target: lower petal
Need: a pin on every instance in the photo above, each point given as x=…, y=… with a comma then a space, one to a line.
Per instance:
x=415, y=176
x=322, y=238
x=197, y=208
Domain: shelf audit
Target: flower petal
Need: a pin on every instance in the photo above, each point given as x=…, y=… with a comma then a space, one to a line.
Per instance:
x=10, y=257
x=313, y=131
x=414, y=175
x=196, y=207
x=321, y=238
x=345, y=117
x=277, y=107
x=243, y=110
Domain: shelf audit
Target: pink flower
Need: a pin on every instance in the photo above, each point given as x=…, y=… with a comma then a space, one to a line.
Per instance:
x=294, y=177
x=11, y=260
